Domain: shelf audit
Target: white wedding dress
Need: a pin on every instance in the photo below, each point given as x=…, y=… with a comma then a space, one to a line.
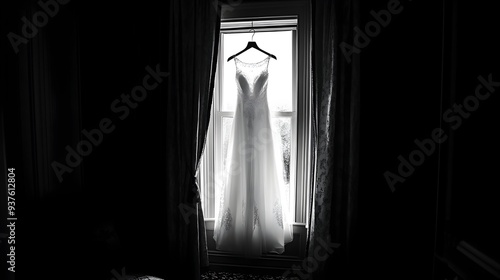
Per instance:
x=251, y=219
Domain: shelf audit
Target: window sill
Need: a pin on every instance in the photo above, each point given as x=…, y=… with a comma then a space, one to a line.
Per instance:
x=268, y=263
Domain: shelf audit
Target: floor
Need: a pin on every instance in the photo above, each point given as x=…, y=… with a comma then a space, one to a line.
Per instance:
x=212, y=275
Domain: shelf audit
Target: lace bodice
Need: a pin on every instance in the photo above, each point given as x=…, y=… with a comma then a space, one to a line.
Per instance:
x=251, y=80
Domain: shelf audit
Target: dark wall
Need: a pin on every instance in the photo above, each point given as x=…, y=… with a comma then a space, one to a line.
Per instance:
x=400, y=102
x=476, y=146
x=468, y=206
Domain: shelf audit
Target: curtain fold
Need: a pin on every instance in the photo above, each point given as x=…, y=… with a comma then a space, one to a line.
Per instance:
x=192, y=54
x=336, y=137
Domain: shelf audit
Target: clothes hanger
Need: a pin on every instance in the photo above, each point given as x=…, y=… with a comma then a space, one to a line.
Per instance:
x=251, y=44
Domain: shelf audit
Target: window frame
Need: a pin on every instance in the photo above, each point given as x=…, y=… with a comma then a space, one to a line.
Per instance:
x=262, y=16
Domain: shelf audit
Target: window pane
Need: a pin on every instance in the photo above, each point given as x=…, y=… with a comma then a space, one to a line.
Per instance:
x=280, y=83
x=227, y=124
x=283, y=129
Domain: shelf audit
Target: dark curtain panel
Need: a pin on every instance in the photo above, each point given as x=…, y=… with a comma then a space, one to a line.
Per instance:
x=192, y=55
x=336, y=137
x=41, y=114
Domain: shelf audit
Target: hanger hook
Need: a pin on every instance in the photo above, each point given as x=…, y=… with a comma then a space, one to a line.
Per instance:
x=253, y=30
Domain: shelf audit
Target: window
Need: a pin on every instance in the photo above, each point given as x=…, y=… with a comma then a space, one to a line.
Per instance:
x=288, y=97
